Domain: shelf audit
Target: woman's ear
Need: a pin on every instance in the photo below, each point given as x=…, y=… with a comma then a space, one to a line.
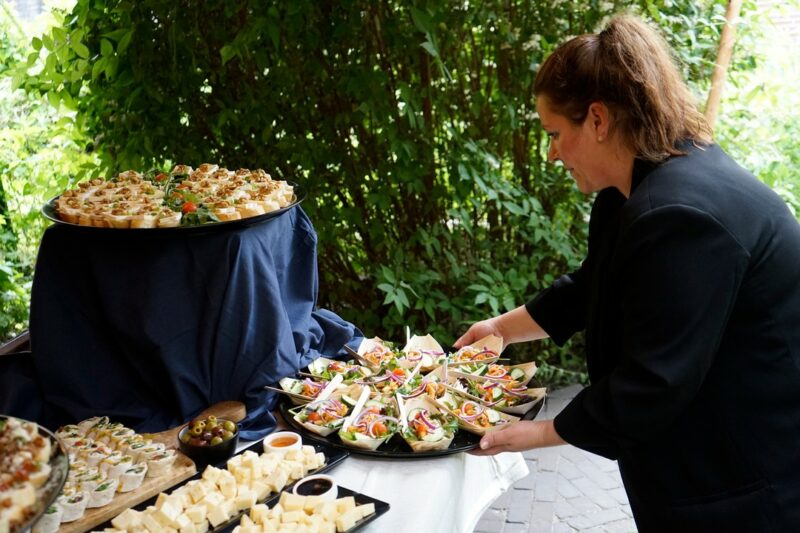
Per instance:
x=599, y=119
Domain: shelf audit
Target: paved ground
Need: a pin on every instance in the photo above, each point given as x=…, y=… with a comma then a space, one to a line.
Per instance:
x=567, y=490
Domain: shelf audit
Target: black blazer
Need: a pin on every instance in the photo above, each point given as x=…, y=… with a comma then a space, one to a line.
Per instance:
x=690, y=298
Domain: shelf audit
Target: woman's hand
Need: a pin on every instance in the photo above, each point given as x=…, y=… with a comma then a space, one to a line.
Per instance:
x=513, y=326
x=477, y=331
x=519, y=436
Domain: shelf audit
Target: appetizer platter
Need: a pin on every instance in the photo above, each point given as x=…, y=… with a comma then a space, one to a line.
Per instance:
x=383, y=403
x=33, y=469
x=217, y=499
x=183, y=199
x=111, y=468
x=349, y=512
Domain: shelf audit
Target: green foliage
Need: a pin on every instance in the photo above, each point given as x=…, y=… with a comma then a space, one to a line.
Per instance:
x=38, y=159
x=412, y=124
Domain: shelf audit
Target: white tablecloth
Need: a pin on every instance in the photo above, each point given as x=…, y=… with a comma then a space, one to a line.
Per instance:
x=445, y=494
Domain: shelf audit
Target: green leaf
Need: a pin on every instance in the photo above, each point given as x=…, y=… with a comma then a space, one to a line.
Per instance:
x=124, y=42
x=80, y=49
x=98, y=67
x=36, y=43
x=227, y=52
x=106, y=48
x=385, y=287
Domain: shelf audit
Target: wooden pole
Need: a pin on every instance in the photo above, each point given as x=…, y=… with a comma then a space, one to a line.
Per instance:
x=723, y=60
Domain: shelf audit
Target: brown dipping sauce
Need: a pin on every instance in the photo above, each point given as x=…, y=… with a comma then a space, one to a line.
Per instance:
x=314, y=487
x=282, y=442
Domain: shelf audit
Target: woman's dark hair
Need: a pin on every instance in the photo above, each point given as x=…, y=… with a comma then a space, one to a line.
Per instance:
x=628, y=67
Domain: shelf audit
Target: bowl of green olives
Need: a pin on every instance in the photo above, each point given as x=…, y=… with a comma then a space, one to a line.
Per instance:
x=209, y=440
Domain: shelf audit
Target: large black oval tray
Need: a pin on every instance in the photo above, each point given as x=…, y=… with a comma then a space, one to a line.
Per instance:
x=395, y=447
x=47, y=493
x=49, y=212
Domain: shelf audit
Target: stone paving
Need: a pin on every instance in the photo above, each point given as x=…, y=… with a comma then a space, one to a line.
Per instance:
x=568, y=490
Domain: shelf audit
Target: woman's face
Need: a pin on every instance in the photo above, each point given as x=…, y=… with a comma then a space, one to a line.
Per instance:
x=579, y=147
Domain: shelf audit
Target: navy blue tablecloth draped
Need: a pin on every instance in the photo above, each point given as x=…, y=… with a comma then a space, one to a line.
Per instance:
x=149, y=330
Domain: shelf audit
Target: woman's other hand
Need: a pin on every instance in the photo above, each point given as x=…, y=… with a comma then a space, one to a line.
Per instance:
x=519, y=436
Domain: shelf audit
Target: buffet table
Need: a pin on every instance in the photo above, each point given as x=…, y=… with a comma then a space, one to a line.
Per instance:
x=443, y=494
x=150, y=327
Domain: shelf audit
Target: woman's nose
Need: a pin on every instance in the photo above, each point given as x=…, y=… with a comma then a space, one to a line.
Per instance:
x=552, y=152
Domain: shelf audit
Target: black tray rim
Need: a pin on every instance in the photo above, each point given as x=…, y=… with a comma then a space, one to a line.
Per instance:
x=464, y=441
x=59, y=471
x=300, y=193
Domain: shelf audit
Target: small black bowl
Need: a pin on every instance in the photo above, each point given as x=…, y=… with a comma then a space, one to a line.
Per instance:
x=209, y=454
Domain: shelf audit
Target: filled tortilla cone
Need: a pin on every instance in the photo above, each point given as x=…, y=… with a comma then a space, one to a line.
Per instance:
x=428, y=427
x=421, y=348
x=485, y=350
x=325, y=368
x=325, y=417
x=294, y=388
x=522, y=373
x=374, y=353
x=370, y=425
x=473, y=416
x=514, y=401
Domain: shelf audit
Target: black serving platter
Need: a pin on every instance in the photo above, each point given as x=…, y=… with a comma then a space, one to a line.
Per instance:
x=381, y=507
x=49, y=212
x=395, y=447
x=333, y=456
x=47, y=493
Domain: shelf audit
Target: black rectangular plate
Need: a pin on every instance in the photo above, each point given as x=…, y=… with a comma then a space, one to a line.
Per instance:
x=395, y=447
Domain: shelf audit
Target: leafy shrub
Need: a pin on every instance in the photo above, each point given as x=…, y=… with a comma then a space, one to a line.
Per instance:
x=411, y=123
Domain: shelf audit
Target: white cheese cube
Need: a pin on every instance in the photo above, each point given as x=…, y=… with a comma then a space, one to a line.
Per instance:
x=127, y=519
x=345, y=504
x=219, y=514
x=245, y=499
x=366, y=509
x=261, y=490
x=347, y=520
x=196, y=513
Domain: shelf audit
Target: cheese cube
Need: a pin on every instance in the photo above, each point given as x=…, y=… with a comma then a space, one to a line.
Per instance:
x=277, y=480
x=245, y=499
x=199, y=491
x=298, y=470
x=219, y=514
x=294, y=455
x=320, y=459
x=292, y=516
x=127, y=519
x=307, y=450
x=151, y=524
x=291, y=502
x=345, y=504
x=366, y=509
x=311, y=502
x=227, y=487
x=261, y=490
x=202, y=527
x=326, y=510
x=197, y=513
x=167, y=513
x=190, y=528
x=181, y=522
x=248, y=457
x=234, y=461
x=347, y=520
x=162, y=498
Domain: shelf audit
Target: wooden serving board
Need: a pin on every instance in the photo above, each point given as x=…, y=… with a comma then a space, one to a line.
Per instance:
x=183, y=469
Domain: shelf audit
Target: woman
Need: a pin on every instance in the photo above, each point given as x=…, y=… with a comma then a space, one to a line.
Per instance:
x=689, y=296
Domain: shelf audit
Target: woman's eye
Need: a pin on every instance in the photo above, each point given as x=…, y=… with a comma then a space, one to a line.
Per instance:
x=552, y=134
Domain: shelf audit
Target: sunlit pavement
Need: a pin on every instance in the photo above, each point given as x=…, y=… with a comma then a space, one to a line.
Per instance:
x=567, y=490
